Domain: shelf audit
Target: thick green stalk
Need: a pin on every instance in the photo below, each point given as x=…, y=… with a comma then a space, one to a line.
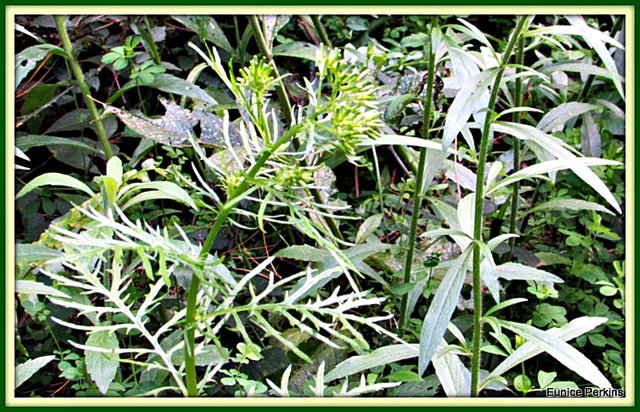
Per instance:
x=86, y=94
x=321, y=31
x=417, y=196
x=194, y=287
x=516, y=147
x=477, y=229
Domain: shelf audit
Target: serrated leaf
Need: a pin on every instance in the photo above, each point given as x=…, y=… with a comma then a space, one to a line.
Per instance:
x=368, y=227
x=102, y=366
x=35, y=253
x=55, y=179
x=30, y=287
x=563, y=352
x=26, y=370
x=442, y=306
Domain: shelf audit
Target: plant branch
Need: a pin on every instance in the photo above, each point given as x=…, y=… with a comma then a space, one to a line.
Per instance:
x=417, y=196
x=320, y=29
x=516, y=147
x=86, y=93
x=477, y=229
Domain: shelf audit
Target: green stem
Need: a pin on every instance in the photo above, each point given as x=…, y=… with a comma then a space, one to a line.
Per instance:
x=477, y=229
x=516, y=148
x=321, y=31
x=194, y=287
x=86, y=94
x=417, y=196
x=266, y=52
x=148, y=38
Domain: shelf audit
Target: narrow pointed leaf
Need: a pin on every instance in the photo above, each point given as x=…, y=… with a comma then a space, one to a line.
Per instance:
x=55, y=179
x=381, y=356
x=517, y=271
x=442, y=306
x=563, y=352
x=558, y=116
x=26, y=370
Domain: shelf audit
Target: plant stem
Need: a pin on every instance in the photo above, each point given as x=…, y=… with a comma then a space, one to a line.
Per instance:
x=86, y=94
x=516, y=148
x=321, y=31
x=477, y=229
x=266, y=52
x=194, y=287
x=417, y=196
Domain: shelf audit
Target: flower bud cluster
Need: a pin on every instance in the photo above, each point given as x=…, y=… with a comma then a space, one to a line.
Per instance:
x=353, y=113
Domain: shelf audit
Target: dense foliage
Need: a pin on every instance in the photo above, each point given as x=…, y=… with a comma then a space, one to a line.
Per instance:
x=407, y=206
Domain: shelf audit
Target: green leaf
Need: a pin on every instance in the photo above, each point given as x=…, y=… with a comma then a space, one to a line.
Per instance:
x=368, y=227
x=558, y=116
x=402, y=289
x=522, y=383
x=208, y=29
x=303, y=252
x=551, y=145
x=442, y=306
x=28, y=141
x=296, y=49
x=164, y=190
x=608, y=291
x=102, y=366
x=26, y=370
x=465, y=103
x=573, y=204
x=547, y=258
x=513, y=271
x=30, y=287
x=404, y=376
x=504, y=304
x=596, y=39
x=563, y=352
x=567, y=332
x=114, y=169
x=54, y=179
x=545, y=378
x=109, y=191
x=30, y=253
x=28, y=59
x=597, y=340
x=426, y=387
x=380, y=356
x=171, y=84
